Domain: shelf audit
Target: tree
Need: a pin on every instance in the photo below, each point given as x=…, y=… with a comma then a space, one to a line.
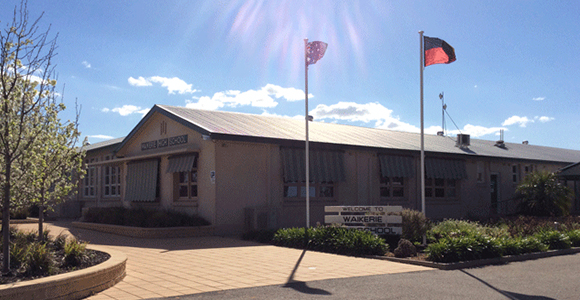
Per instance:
x=27, y=108
x=543, y=195
x=58, y=165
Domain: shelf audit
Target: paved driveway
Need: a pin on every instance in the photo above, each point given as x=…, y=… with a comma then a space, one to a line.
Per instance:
x=183, y=266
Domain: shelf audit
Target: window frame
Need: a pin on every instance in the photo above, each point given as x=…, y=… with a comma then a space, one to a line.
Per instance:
x=111, y=181
x=433, y=186
x=392, y=184
x=90, y=180
x=301, y=191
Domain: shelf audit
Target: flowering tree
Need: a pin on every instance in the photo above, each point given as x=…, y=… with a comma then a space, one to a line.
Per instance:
x=29, y=123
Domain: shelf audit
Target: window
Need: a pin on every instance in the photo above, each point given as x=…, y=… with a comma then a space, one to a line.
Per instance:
x=90, y=179
x=184, y=169
x=318, y=191
x=515, y=174
x=112, y=181
x=392, y=187
x=480, y=172
x=440, y=188
x=187, y=185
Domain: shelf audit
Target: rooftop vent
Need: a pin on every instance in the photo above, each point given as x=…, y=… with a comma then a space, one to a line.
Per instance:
x=525, y=142
x=463, y=140
x=500, y=142
x=440, y=133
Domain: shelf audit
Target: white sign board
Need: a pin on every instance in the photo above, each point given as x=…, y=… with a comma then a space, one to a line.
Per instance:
x=374, y=218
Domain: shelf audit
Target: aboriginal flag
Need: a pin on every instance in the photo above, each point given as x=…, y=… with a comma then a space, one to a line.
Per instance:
x=437, y=51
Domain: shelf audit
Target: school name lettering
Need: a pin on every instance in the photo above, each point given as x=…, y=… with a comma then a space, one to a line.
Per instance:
x=161, y=143
x=362, y=219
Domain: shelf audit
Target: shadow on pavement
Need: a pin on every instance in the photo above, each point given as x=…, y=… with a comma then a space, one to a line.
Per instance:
x=301, y=286
x=169, y=244
x=510, y=295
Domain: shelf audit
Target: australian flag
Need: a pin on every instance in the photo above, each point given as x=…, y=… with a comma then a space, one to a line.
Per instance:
x=315, y=51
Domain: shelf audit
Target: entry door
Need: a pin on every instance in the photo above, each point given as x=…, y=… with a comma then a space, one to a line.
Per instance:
x=494, y=180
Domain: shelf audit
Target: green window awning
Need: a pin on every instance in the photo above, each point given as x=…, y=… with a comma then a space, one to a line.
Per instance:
x=183, y=163
x=324, y=166
x=396, y=166
x=142, y=181
x=445, y=168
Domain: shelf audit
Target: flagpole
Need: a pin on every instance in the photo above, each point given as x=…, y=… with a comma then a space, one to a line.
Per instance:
x=422, y=66
x=306, y=139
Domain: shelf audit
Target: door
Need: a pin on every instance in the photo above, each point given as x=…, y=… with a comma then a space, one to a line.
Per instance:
x=494, y=181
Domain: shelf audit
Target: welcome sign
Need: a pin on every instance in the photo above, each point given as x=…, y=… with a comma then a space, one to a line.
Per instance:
x=375, y=219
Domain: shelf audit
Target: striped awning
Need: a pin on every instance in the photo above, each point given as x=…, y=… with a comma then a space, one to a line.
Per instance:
x=445, y=168
x=324, y=166
x=142, y=181
x=182, y=163
x=396, y=166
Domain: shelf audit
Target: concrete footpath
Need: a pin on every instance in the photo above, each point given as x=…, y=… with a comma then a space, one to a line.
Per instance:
x=185, y=266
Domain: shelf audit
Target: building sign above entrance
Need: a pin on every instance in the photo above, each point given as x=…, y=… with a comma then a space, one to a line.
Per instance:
x=161, y=143
x=376, y=219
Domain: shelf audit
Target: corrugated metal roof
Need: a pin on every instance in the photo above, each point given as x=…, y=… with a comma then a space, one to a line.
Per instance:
x=280, y=128
x=103, y=144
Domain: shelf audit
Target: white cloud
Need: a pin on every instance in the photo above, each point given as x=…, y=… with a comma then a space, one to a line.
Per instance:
x=476, y=130
x=173, y=84
x=139, y=81
x=521, y=121
x=539, y=98
x=263, y=98
x=544, y=119
x=100, y=136
x=86, y=64
x=356, y=112
x=126, y=110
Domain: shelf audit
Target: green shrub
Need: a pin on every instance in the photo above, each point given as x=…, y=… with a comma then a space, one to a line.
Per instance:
x=531, y=244
x=511, y=246
x=39, y=260
x=59, y=242
x=464, y=248
x=543, y=195
x=74, y=252
x=554, y=239
x=405, y=249
x=332, y=239
x=141, y=217
x=415, y=225
x=574, y=236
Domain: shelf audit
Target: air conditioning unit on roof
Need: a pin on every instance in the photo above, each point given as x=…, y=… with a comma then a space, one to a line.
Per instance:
x=463, y=140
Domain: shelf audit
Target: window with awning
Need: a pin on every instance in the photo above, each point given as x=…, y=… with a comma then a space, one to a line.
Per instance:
x=394, y=173
x=184, y=170
x=326, y=168
x=142, y=180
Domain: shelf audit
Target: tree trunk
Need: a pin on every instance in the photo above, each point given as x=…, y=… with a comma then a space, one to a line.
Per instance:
x=6, y=219
x=40, y=223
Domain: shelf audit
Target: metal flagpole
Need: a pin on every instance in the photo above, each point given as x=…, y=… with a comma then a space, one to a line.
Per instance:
x=422, y=55
x=306, y=147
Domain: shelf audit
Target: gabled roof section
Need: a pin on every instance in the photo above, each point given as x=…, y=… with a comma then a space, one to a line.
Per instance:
x=571, y=171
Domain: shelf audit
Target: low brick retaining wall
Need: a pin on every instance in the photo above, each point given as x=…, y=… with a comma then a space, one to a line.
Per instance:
x=72, y=285
x=481, y=262
x=150, y=233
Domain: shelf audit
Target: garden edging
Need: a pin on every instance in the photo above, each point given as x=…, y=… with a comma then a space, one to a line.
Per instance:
x=481, y=262
x=152, y=233
x=72, y=285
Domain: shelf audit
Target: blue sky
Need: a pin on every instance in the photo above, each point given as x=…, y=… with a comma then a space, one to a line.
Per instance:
x=517, y=62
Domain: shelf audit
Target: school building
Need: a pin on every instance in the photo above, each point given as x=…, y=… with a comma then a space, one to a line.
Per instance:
x=243, y=171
